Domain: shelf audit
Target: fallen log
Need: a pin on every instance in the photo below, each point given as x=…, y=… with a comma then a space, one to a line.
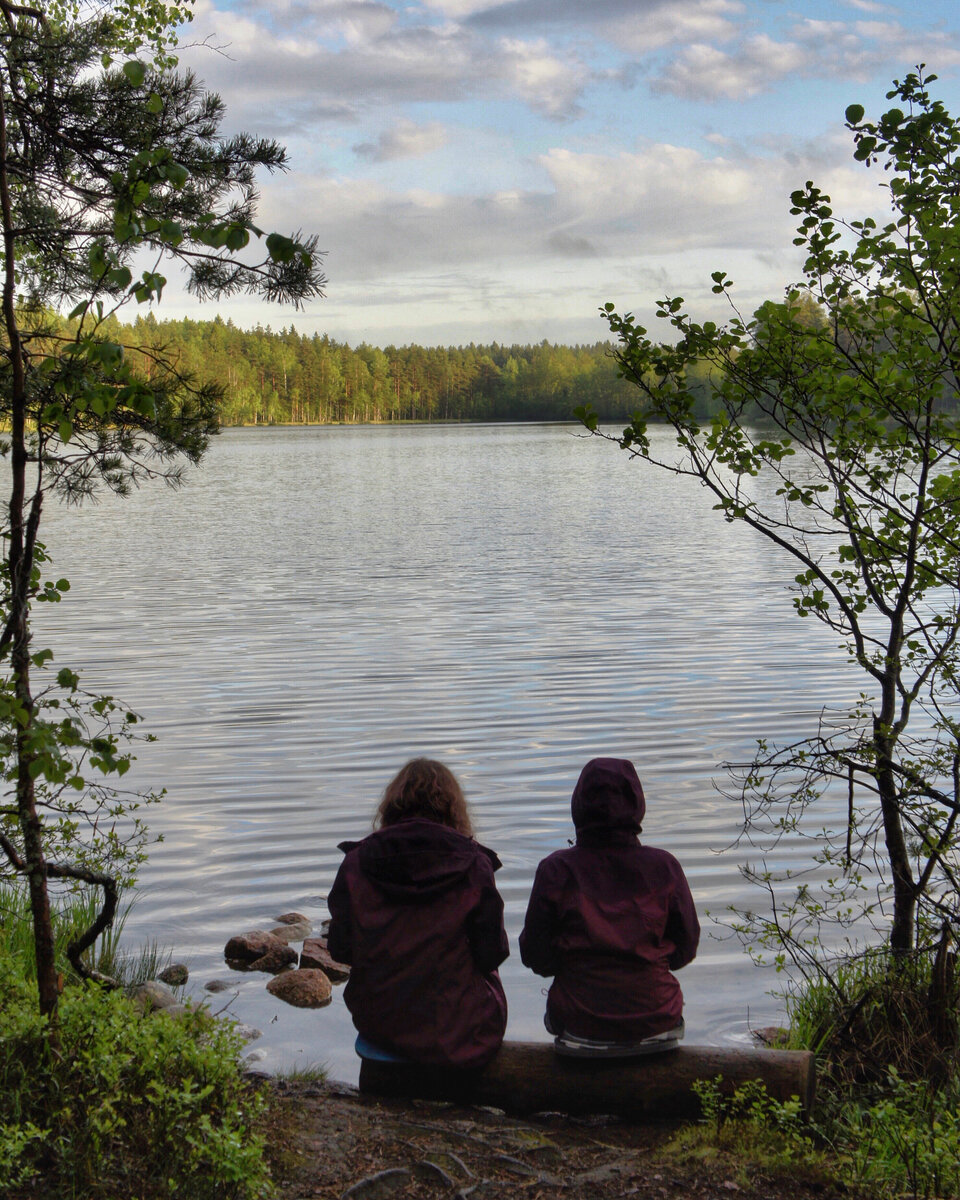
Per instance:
x=527, y=1077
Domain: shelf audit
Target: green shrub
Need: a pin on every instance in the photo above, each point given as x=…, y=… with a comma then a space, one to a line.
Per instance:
x=747, y=1130
x=885, y=1029
x=747, y=1110
x=131, y=1104
x=907, y=1142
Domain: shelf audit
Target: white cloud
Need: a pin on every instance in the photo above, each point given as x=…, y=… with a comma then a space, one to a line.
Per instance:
x=498, y=228
x=869, y=6
x=405, y=140
x=815, y=49
x=282, y=81
x=548, y=83
x=457, y=9
x=638, y=206
x=641, y=32
x=703, y=72
x=522, y=263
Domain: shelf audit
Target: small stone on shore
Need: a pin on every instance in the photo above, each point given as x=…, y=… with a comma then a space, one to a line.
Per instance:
x=152, y=995
x=774, y=1037
x=247, y=1032
x=291, y=918
x=174, y=1010
x=303, y=989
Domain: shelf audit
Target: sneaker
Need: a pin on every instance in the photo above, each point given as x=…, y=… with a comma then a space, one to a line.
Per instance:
x=574, y=1047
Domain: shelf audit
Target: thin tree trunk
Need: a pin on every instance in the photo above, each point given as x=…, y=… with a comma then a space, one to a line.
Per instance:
x=904, y=890
x=20, y=561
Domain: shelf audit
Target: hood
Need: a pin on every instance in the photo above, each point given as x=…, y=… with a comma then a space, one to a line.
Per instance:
x=608, y=797
x=417, y=858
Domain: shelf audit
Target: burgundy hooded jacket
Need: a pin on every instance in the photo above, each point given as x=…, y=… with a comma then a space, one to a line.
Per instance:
x=416, y=913
x=609, y=918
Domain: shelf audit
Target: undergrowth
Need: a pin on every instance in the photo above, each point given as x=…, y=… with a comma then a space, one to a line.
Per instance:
x=886, y=1030
x=129, y=1103
x=753, y=1130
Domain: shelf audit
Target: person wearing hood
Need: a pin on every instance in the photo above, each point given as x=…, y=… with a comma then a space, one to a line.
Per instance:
x=416, y=913
x=610, y=919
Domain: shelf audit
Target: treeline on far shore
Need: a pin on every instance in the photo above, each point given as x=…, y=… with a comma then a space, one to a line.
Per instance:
x=287, y=377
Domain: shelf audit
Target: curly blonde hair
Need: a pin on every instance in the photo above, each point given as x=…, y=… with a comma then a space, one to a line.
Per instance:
x=424, y=788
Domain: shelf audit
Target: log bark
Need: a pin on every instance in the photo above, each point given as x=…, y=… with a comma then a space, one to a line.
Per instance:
x=527, y=1077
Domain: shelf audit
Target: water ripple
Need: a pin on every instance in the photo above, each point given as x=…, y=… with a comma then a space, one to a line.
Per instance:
x=318, y=605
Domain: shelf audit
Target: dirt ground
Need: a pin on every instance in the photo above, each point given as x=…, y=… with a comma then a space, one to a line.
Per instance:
x=330, y=1143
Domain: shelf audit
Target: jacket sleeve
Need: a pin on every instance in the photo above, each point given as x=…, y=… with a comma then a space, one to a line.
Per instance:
x=537, y=949
x=340, y=934
x=683, y=927
x=488, y=938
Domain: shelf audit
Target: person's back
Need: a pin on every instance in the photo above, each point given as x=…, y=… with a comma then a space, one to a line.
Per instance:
x=610, y=919
x=415, y=911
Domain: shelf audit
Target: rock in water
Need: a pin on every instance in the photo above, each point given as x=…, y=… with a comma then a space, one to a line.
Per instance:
x=316, y=954
x=293, y=931
x=302, y=989
x=277, y=959
x=291, y=918
x=175, y=975
x=248, y=950
x=218, y=985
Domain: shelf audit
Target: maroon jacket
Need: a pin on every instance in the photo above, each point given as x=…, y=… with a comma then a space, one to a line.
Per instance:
x=415, y=911
x=609, y=918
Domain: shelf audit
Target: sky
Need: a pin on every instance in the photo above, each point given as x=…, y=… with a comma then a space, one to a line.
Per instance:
x=481, y=171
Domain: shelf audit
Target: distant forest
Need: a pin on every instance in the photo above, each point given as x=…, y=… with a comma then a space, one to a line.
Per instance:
x=290, y=378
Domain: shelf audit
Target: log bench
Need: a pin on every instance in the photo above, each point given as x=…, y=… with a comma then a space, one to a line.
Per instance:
x=527, y=1077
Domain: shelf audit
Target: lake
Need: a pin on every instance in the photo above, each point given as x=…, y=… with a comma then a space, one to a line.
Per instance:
x=317, y=605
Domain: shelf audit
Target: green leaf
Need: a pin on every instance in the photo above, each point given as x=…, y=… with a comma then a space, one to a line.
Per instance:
x=854, y=114
x=136, y=72
x=97, y=260
x=172, y=232
x=65, y=430
x=237, y=238
x=865, y=148
x=154, y=103
x=139, y=193
x=281, y=249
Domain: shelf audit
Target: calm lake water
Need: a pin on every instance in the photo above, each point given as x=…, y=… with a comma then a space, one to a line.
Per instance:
x=317, y=605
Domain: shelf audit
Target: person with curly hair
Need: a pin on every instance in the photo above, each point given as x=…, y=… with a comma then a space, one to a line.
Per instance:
x=416, y=913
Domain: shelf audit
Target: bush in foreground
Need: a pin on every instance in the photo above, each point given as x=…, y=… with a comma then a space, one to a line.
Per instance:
x=132, y=1104
x=886, y=1030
